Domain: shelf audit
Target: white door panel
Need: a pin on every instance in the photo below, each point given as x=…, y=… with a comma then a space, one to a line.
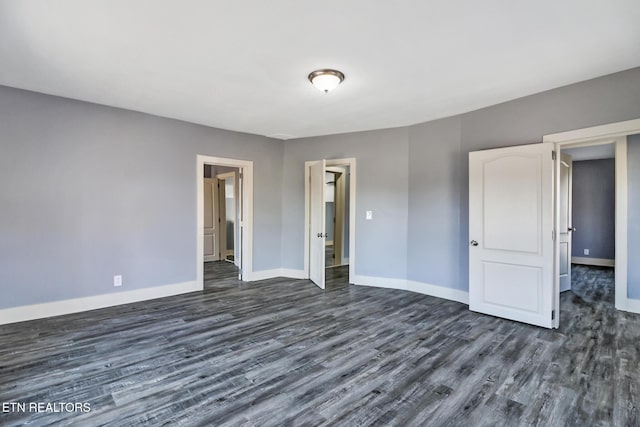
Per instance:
x=210, y=220
x=317, y=223
x=510, y=232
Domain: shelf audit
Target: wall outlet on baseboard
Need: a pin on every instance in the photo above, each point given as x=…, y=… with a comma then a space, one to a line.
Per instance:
x=117, y=280
x=586, y=251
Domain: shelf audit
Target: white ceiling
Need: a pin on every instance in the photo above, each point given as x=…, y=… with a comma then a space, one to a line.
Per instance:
x=243, y=65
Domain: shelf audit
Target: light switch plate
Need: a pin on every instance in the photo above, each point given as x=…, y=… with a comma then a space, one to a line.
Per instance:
x=369, y=214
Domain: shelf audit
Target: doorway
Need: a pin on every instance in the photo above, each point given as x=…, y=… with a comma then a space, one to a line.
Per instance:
x=221, y=213
x=587, y=217
x=224, y=215
x=337, y=214
x=330, y=194
x=617, y=134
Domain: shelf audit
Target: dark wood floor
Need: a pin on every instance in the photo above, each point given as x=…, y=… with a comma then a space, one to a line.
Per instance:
x=283, y=352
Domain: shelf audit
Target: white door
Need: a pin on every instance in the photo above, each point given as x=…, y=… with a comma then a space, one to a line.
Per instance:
x=565, y=227
x=511, y=233
x=240, y=224
x=317, y=222
x=211, y=249
x=222, y=220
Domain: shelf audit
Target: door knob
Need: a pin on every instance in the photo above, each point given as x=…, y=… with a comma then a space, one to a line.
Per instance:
x=473, y=243
x=571, y=229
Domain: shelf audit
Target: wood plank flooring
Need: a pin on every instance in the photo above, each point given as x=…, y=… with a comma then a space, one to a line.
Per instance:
x=283, y=352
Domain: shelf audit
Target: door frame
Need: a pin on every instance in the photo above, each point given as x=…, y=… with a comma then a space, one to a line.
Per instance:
x=351, y=162
x=246, y=223
x=611, y=133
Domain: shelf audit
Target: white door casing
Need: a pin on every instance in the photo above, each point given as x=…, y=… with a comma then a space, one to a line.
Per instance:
x=565, y=228
x=351, y=163
x=245, y=199
x=511, y=258
x=317, y=223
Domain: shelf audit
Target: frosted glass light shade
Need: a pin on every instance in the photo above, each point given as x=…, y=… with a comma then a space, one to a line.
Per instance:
x=326, y=80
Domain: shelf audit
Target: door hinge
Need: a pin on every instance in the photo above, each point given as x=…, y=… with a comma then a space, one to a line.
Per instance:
x=553, y=155
x=553, y=235
x=553, y=314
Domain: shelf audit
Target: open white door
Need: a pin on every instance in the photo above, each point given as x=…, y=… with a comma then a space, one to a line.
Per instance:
x=317, y=222
x=565, y=227
x=511, y=256
x=211, y=246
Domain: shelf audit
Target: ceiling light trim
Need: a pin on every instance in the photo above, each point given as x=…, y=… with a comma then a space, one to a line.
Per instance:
x=326, y=79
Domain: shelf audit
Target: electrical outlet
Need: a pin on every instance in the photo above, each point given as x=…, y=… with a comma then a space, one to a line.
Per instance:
x=586, y=251
x=117, y=280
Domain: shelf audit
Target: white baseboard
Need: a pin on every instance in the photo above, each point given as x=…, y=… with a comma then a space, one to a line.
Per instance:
x=600, y=262
x=413, y=286
x=294, y=274
x=75, y=305
x=379, y=282
x=632, y=306
x=277, y=272
x=438, y=291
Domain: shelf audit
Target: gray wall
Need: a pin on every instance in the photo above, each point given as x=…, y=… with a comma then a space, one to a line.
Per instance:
x=633, y=218
x=382, y=185
x=594, y=209
x=433, y=245
x=429, y=165
x=82, y=198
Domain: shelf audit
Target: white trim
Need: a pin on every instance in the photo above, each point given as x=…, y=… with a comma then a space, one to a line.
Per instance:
x=438, y=291
x=278, y=272
x=224, y=176
x=379, y=282
x=600, y=262
x=611, y=130
x=632, y=305
x=351, y=162
x=621, y=295
x=75, y=305
x=413, y=286
x=247, y=213
x=614, y=132
x=293, y=274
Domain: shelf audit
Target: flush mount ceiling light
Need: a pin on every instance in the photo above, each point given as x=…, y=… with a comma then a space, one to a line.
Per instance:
x=326, y=80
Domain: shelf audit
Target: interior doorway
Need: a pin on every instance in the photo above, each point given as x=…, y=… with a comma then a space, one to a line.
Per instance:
x=224, y=215
x=617, y=134
x=330, y=195
x=221, y=213
x=587, y=208
x=337, y=214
